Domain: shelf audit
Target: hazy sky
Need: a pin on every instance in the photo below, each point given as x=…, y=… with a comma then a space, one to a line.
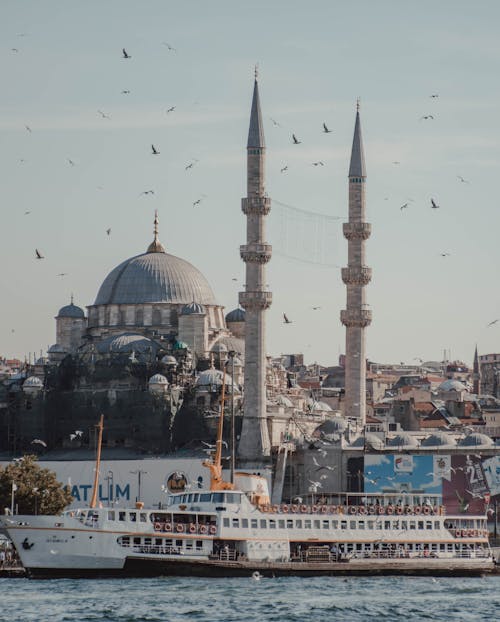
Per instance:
x=60, y=63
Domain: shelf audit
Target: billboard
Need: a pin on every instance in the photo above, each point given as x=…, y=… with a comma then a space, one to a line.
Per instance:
x=401, y=473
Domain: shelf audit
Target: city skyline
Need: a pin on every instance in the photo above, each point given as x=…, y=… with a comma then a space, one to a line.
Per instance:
x=77, y=155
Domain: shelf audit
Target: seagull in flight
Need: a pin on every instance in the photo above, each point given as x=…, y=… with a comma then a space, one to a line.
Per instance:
x=326, y=130
x=434, y=205
x=315, y=308
x=285, y=168
x=38, y=254
x=197, y=202
x=108, y=231
x=126, y=92
x=171, y=109
x=464, y=181
x=71, y=162
x=404, y=206
x=154, y=150
x=147, y=192
x=26, y=213
x=445, y=254
x=103, y=114
x=434, y=95
x=28, y=128
x=275, y=123
x=285, y=319
x=494, y=322
x=169, y=47
x=125, y=54
x=319, y=163
x=62, y=274
x=295, y=140
x=38, y=441
x=426, y=117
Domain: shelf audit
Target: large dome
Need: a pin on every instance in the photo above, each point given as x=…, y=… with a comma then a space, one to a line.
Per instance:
x=155, y=277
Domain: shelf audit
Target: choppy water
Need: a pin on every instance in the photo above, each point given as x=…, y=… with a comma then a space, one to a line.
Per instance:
x=325, y=599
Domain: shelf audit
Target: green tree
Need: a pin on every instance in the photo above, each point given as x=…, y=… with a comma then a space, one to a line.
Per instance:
x=37, y=490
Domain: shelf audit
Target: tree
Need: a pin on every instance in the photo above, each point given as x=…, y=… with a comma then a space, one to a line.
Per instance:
x=36, y=490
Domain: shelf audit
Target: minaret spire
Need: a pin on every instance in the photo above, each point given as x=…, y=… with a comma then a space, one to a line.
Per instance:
x=254, y=446
x=476, y=374
x=356, y=317
x=156, y=246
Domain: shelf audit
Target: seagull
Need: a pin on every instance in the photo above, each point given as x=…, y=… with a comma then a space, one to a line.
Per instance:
x=155, y=150
x=103, y=115
x=494, y=322
x=285, y=168
x=62, y=274
x=445, y=254
x=396, y=162
x=326, y=130
x=26, y=213
x=38, y=441
x=295, y=140
x=169, y=47
x=464, y=181
x=275, y=123
x=426, y=117
x=126, y=92
x=147, y=192
x=197, y=202
x=15, y=50
x=285, y=319
x=171, y=109
x=404, y=206
x=434, y=95
x=316, y=484
x=125, y=55
x=108, y=231
x=434, y=205
x=28, y=128
x=319, y=163
x=38, y=254
x=315, y=308
x=71, y=162
x=213, y=446
x=297, y=499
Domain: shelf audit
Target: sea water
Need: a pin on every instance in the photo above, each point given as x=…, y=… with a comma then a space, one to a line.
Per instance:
x=322, y=599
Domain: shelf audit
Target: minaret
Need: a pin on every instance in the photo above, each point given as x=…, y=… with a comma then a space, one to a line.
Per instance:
x=476, y=375
x=356, y=317
x=254, y=445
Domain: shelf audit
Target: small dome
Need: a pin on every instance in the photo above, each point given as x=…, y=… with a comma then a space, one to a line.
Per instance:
x=475, y=440
x=168, y=359
x=374, y=441
x=233, y=344
x=56, y=349
x=33, y=382
x=283, y=400
x=158, y=379
x=212, y=378
x=236, y=315
x=318, y=406
x=402, y=440
x=192, y=308
x=438, y=439
x=332, y=426
x=72, y=311
x=219, y=347
x=43, y=360
x=180, y=345
x=126, y=343
x=452, y=385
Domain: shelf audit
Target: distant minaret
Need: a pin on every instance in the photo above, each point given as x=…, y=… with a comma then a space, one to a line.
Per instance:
x=356, y=317
x=476, y=375
x=254, y=445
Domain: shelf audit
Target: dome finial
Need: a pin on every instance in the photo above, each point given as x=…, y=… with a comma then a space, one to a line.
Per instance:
x=156, y=246
x=256, y=70
x=357, y=104
x=71, y=297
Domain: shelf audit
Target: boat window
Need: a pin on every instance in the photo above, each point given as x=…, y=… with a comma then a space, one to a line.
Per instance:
x=428, y=524
x=404, y=524
x=335, y=524
x=147, y=541
x=158, y=541
x=244, y=523
x=254, y=523
x=122, y=515
x=352, y=525
x=412, y=524
x=205, y=497
x=437, y=524
x=370, y=524
x=133, y=516
x=343, y=524
x=232, y=497
x=137, y=541
x=199, y=544
x=420, y=524
x=196, y=497
x=272, y=524
x=178, y=543
x=189, y=544
x=190, y=498
x=289, y=523
x=183, y=499
x=307, y=524
x=111, y=515
x=125, y=541
x=225, y=522
x=361, y=524
x=263, y=523
x=236, y=522
x=218, y=497
x=387, y=524
x=143, y=517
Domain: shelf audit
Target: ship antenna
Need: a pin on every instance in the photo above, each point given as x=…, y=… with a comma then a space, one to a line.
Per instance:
x=99, y=426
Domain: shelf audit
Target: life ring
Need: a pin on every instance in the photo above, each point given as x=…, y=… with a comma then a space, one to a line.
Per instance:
x=179, y=528
x=426, y=509
x=333, y=509
x=399, y=510
x=192, y=528
x=303, y=509
x=464, y=533
x=314, y=509
x=284, y=509
x=390, y=509
x=203, y=529
x=324, y=509
x=381, y=509
x=352, y=510
x=417, y=510
x=213, y=529
x=409, y=509
x=168, y=527
x=157, y=526
x=371, y=509
x=264, y=508
x=275, y=508
x=362, y=509
x=295, y=508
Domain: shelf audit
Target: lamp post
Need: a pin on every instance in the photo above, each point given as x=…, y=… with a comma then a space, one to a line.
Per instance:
x=231, y=354
x=14, y=488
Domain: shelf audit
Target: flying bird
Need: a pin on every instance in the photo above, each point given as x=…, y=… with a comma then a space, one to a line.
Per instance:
x=15, y=50
x=38, y=254
x=396, y=162
x=434, y=95
x=26, y=213
x=197, y=202
x=126, y=92
x=326, y=130
x=125, y=55
x=445, y=254
x=62, y=274
x=434, y=205
x=426, y=117
x=28, y=128
x=71, y=162
x=285, y=168
x=315, y=308
x=38, y=441
x=464, y=181
x=154, y=150
x=108, y=231
x=275, y=122
x=103, y=114
x=169, y=47
x=494, y=322
x=171, y=109
x=147, y=192
x=404, y=206
x=319, y=163
x=285, y=319
x=295, y=140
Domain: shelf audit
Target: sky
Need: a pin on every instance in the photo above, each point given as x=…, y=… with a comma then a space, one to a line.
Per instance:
x=435, y=271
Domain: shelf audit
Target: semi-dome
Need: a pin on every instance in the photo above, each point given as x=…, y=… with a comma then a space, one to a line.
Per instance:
x=374, y=441
x=211, y=379
x=283, y=400
x=317, y=406
x=335, y=425
x=438, y=439
x=452, y=385
x=193, y=307
x=56, y=348
x=158, y=379
x=233, y=344
x=476, y=440
x=71, y=311
x=168, y=359
x=402, y=440
x=126, y=343
x=236, y=315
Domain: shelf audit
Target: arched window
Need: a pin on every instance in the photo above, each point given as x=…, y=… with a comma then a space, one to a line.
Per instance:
x=156, y=317
x=139, y=317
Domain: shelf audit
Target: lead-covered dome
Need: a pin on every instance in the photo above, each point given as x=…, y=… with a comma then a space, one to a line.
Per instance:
x=72, y=311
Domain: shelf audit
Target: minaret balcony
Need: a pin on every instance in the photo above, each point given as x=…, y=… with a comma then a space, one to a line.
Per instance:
x=356, y=275
x=257, y=300
x=256, y=253
x=256, y=205
x=360, y=318
x=357, y=230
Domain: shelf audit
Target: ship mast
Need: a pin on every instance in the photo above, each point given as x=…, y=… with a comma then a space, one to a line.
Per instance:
x=214, y=465
x=99, y=426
